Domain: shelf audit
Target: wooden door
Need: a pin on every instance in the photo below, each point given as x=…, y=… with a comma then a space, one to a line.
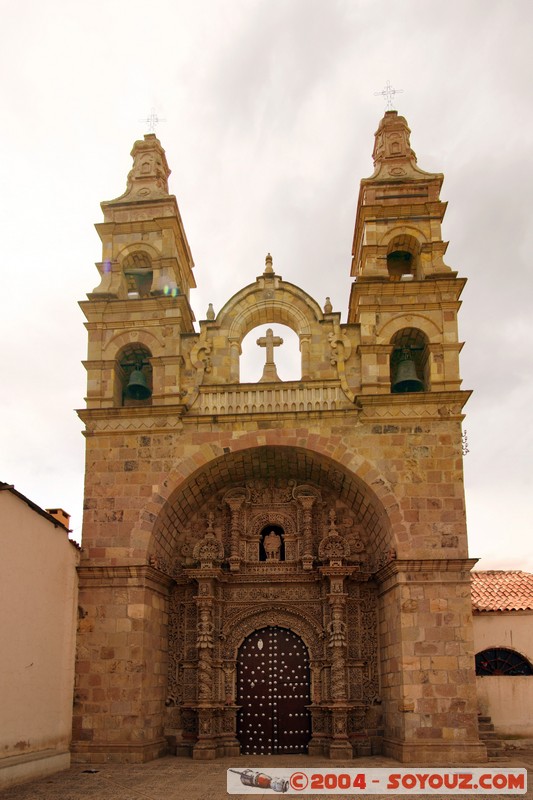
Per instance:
x=273, y=692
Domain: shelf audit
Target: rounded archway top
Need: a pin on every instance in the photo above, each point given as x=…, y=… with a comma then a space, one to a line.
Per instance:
x=269, y=300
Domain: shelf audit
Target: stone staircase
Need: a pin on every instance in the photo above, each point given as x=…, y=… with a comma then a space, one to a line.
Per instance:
x=488, y=735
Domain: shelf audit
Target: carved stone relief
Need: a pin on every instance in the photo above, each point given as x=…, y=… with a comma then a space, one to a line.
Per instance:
x=218, y=552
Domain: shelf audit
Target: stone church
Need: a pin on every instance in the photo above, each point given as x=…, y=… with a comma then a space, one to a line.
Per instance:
x=276, y=567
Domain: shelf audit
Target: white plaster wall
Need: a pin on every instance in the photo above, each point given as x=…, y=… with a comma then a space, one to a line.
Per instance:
x=507, y=699
x=38, y=604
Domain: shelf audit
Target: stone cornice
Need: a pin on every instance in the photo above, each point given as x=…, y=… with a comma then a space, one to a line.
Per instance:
x=402, y=566
x=134, y=575
x=422, y=405
x=142, y=418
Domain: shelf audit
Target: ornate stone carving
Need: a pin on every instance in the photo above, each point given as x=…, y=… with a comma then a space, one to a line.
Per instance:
x=270, y=493
x=272, y=545
x=333, y=547
x=306, y=498
x=209, y=551
x=333, y=609
x=341, y=349
x=234, y=500
x=337, y=633
x=205, y=629
x=238, y=626
x=383, y=558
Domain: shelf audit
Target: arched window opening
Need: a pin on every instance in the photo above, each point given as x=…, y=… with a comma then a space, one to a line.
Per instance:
x=501, y=661
x=272, y=544
x=409, y=362
x=403, y=258
x=138, y=273
x=134, y=380
x=399, y=263
x=285, y=355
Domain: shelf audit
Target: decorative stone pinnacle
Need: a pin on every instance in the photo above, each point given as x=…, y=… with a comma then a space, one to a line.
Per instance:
x=148, y=178
x=268, y=265
x=210, y=313
x=328, y=308
x=392, y=143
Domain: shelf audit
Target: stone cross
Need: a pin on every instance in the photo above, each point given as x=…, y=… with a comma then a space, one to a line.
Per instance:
x=388, y=93
x=270, y=342
x=152, y=121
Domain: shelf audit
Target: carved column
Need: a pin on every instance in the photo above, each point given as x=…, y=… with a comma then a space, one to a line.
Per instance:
x=235, y=505
x=305, y=344
x=307, y=502
x=340, y=746
x=334, y=549
x=235, y=352
x=205, y=645
x=229, y=739
x=205, y=748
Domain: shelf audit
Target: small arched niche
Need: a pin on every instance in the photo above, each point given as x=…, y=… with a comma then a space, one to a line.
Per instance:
x=133, y=376
x=403, y=262
x=286, y=356
x=409, y=362
x=272, y=543
x=138, y=272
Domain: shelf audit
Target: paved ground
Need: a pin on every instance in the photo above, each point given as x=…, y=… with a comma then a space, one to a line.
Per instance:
x=174, y=778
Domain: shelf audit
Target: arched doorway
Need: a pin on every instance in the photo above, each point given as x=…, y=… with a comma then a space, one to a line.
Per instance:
x=273, y=691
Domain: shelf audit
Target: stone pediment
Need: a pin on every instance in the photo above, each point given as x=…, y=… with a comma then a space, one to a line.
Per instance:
x=324, y=348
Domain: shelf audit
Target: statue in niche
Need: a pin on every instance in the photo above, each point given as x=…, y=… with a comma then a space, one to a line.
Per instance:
x=272, y=545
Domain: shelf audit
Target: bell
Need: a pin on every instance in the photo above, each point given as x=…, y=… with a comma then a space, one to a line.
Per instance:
x=406, y=377
x=137, y=388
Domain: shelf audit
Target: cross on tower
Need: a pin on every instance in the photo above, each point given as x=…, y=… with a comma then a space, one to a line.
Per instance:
x=270, y=342
x=152, y=121
x=388, y=92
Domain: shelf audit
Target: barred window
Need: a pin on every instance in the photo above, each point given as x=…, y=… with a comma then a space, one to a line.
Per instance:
x=501, y=661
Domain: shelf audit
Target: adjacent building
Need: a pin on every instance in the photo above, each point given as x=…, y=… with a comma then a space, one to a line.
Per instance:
x=38, y=610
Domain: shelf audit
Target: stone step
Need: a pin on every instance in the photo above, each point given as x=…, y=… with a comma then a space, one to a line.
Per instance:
x=485, y=727
x=490, y=738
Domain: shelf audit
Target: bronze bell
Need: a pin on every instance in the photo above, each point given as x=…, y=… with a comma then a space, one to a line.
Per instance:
x=137, y=388
x=406, y=378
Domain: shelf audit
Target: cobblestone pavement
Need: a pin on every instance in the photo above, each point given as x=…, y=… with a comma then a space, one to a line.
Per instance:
x=172, y=778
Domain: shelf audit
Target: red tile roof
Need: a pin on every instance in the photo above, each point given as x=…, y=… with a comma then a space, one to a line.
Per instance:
x=502, y=590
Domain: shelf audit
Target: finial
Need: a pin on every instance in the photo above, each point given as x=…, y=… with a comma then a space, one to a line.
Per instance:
x=210, y=313
x=328, y=308
x=268, y=265
x=148, y=177
x=388, y=92
x=152, y=121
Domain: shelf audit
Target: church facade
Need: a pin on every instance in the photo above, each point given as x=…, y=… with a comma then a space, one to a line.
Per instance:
x=277, y=567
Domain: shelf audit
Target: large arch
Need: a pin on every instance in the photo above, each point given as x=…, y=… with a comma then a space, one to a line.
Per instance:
x=353, y=479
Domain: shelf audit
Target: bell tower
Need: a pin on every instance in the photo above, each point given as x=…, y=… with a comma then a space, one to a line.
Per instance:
x=136, y=313
x=404, y=298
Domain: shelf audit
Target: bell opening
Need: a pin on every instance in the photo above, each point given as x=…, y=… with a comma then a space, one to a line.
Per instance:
x=409, y=362
x=133, y=376
x=137, y=388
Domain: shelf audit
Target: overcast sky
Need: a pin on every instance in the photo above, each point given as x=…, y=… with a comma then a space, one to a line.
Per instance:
x=270, y=113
